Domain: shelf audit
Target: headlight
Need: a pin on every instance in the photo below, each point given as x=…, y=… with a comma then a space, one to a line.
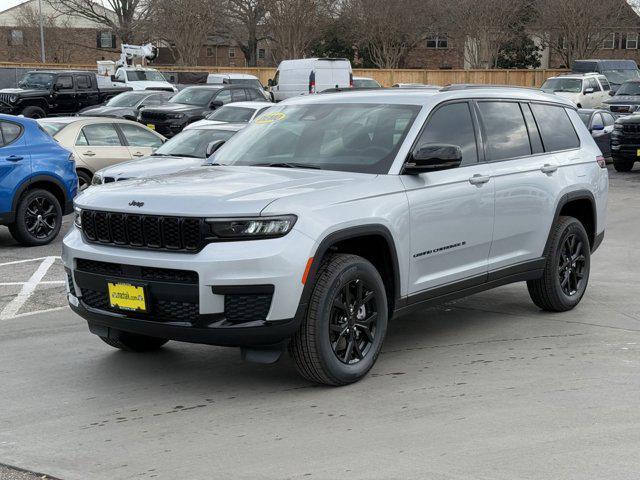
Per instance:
x=177, y=115
x=13, y=98
x=77, y=220
x=617, y=126
x=251, y=228
x=97, y=179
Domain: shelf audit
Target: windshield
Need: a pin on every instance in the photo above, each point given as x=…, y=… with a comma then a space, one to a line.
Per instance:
x=192, y=143
x=573, y=85
x=585, y=117
x=194, y=96
x=365, y=83
x=37, y=80
x=230, y=114
x=629, y=88
x=618, y=77
x=346, y=137
x=126, y=100
x=145, y=75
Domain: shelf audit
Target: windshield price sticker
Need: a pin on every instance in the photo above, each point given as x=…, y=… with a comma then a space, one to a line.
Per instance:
x=270, y=118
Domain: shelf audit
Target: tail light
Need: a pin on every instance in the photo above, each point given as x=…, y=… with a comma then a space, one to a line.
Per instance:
x=351, y=80
x=601, y=161
x=312, y=82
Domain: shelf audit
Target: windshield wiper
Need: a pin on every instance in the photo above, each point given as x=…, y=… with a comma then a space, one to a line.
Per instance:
x=287, y=165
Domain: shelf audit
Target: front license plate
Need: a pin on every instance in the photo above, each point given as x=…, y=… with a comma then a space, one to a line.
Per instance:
x=127, y=297
x=638, y=152
x=151, y=126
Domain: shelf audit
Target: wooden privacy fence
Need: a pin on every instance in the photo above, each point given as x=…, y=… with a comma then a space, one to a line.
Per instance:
x=387, y=77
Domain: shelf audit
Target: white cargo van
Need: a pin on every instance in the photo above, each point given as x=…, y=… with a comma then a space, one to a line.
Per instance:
x=310, y=75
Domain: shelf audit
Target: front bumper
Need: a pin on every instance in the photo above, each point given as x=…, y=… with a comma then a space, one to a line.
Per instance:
x=168, y=128
x=224, y=305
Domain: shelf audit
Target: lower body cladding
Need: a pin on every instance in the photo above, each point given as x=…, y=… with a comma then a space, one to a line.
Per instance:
x=242, y=294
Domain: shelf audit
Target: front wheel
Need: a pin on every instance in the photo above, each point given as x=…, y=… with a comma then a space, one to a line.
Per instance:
x=566, y=272
x=346, y=322
x=38, y=218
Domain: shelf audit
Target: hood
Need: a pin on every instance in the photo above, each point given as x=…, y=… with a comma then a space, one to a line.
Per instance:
x=623, y=100
x=104, y=111
x=26, y=92
x=152, y=165
x=634, y=118
x=178, y=108
x=148, y=85
x=203, y=122
x=568, y=95
x=214, y=190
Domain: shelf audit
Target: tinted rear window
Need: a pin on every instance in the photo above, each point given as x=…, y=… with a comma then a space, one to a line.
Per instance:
x=506, y=131
x=555, y=127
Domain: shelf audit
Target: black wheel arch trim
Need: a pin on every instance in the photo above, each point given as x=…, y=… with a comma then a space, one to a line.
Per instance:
x=41, y=178
x=570, y=197
x=346, y=234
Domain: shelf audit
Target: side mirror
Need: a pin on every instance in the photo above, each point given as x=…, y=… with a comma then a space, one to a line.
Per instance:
x=431, y=158
x=611, y=93
x=270, y=82
x=215, y=104
x=589, y=90
x=212, y=147
x=113, y=78
x=141, y=106
x=56, y=87
x=597, y=127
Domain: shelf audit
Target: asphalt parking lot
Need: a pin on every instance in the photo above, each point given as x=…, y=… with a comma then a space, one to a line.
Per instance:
x=487, y=387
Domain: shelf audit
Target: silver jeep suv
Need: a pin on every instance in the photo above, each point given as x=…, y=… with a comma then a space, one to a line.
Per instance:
x=330, y=214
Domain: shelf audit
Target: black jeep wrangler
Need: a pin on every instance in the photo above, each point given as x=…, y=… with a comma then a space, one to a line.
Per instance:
x=625, y=142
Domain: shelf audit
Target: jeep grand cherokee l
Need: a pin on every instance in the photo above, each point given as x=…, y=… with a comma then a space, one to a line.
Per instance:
x=329, y=214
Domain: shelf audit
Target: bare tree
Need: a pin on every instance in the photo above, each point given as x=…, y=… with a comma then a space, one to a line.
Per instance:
x=486, y=28
x=295, y=24
x=577, y=28
x=184, y=25
x=389, y=30
x=123, y=17
x=245, y=25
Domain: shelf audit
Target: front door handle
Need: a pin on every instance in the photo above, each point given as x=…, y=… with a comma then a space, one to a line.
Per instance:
x=89, y=153
x=548, y=168
x=14, y=158
x=478, y=179
x=138, y=154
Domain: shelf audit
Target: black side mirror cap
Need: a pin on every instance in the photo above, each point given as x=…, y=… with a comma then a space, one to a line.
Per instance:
x=270, y=82
x=212, y=147
x=431, y=158
x=612, y=93
x=215, y=104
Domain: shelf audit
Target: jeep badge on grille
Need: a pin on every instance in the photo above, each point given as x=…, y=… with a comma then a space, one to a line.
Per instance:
x=133, y=203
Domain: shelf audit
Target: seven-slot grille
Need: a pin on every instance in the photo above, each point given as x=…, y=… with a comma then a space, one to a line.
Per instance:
x=151, y=115
x=620, y=108
x=4, y=97
x=631, y=127
x=143, y=231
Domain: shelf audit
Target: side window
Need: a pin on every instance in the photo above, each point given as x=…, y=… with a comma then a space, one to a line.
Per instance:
x=138, y=136
x=64, y=82
x=507, y=135
x=99, y=135
x=593, y=83
x=276, y=77
x=555, y=127
x=224, y=96
x=120, y=75
x=10, y=132
x=83, y=82
x=605, y=83
x=608, y=119
x=452, y=125
x=534, y=133
x=251, y=94
x=153, y=100
x=238, y=95
x=597, y=120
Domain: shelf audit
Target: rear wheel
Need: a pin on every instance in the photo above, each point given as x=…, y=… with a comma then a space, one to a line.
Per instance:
x=34, y=112
x=566, y=273
x=38, y=218
x=623, y=165
x=132, y=342
x=346, y=322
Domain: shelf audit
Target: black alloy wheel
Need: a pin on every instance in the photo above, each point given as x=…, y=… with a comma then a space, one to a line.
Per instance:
x=41, y=217
x=571, y=269
x=353, y=323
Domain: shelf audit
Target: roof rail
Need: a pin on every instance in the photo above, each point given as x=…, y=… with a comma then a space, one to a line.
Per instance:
x=469, y=86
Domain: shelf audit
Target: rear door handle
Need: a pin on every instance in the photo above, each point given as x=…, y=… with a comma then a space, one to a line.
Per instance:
x=548, y=168
x=89, y=154
x=478, y=179
x=14, y=158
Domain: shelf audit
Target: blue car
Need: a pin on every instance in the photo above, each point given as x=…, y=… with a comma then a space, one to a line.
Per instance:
x=37, y=181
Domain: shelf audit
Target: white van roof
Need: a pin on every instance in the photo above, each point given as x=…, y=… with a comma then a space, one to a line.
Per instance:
x=289, y=64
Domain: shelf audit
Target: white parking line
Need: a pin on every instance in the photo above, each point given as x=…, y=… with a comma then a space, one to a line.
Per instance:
x=28, y=287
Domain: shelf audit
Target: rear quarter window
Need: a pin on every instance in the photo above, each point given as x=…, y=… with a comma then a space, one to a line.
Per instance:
x=555, y=127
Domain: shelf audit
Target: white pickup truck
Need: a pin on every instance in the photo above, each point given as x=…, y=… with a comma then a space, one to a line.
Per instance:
x=138, y=78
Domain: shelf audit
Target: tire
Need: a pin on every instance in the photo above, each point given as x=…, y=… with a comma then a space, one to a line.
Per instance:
x=550, y=292
x=38, y=218
x=34, y=112
x=623, y=165
x=84, y=180
x=132, y=342
x=331, y=329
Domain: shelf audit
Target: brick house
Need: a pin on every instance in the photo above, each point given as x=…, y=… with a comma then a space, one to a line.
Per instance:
x=68, y=38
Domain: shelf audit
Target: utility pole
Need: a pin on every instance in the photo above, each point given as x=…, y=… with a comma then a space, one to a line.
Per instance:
x=41, y=18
